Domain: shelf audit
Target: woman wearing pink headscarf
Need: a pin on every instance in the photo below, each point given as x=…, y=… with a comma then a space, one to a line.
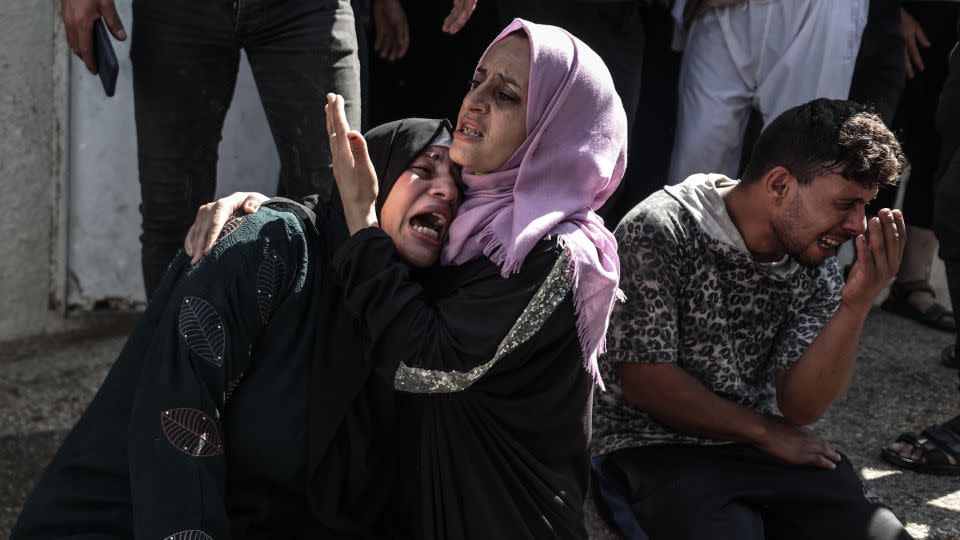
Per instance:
x=495, y=351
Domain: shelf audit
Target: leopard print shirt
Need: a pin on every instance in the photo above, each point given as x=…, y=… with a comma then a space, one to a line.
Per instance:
x=729, y=321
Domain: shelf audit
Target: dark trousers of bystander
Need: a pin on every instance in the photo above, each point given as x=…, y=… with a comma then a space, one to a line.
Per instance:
x=737, y=492
x=185, y=58
x=946, y=224
x=879, y=75
x=915, y=118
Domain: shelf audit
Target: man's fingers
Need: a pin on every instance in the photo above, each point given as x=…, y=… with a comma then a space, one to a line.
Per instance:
x=383, y=40
x=901, y=229
x=864, y=256
x=922, y=37
x=403, y=39
x=878, y=248
x=85, y=47
x=892, y=240
x=915, y=54
x=908, y=64
x=112, y=20
x=71, y=39
x=459, y=15
x=821, y=461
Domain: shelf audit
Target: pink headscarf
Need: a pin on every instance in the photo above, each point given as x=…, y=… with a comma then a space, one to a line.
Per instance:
x=571, y=161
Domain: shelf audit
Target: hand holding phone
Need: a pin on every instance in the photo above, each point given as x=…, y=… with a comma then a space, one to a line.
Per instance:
x=106, y=58
x=78, y=18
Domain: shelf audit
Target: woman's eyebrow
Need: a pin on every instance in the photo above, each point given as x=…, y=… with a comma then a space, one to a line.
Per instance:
x=506, y=78
x=510, y=80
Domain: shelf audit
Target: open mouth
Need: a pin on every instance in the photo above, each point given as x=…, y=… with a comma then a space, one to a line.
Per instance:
x=829, y=243
x=470, y=131
x=430, y=224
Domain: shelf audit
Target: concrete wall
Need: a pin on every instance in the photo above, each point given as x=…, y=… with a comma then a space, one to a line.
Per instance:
x=26, y=132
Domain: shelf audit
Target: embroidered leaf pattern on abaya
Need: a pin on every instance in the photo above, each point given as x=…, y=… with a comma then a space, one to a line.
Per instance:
x=193, y=534
x=202, y=329
x=231, y=226
x=192, y=432
x=270, y=276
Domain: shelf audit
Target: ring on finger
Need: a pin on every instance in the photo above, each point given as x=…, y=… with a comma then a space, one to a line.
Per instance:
x=333, y=135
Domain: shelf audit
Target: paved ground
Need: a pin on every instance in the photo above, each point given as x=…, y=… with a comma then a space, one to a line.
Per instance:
x=899, y=386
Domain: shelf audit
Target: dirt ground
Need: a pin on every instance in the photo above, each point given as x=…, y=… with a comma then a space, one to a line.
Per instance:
x=899, y=386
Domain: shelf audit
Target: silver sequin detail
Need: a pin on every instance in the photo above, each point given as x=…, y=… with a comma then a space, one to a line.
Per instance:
x=553, y=290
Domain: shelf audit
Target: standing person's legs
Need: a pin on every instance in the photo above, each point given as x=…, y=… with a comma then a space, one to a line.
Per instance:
x=879, y=74
x=185, y=59
x=715, y=90
x=947, y=187
x=655, y=120
x=300, y=50
x=909, y=451
x=816, y=57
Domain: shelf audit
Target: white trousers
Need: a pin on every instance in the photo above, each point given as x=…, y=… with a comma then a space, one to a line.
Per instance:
x=765, y=54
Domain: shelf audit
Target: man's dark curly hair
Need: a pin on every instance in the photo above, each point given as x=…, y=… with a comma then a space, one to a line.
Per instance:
x=829, y=135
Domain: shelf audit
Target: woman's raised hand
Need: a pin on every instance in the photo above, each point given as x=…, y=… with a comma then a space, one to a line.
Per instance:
x=211, y=218
x=352, y=168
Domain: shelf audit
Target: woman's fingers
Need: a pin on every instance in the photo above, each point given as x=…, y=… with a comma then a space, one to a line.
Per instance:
x=337, y=128
x=211, y=219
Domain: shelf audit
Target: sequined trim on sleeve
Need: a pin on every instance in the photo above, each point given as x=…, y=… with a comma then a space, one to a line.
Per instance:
x=553, y=290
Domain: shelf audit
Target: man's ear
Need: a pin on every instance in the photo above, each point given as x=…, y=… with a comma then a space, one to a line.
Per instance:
x=778, y=183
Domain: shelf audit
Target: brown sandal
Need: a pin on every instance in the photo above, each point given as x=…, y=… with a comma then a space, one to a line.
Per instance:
x=898, y=302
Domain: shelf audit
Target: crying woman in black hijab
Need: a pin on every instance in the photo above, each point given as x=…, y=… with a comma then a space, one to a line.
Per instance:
x=410, y=156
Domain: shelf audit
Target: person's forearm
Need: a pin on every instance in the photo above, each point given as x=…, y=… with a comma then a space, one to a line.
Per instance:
x=822, y=374
x=677, y=399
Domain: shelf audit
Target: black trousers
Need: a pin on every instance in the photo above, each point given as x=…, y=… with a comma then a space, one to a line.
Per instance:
x=737, y=492
x=879, y=74
x=946, y=224
x=185, y=57
x=915, y=119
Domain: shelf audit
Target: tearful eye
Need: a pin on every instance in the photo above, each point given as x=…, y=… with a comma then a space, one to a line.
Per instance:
x=422, y=171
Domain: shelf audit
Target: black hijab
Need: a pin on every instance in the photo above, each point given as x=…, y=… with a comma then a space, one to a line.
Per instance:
x=393, y=147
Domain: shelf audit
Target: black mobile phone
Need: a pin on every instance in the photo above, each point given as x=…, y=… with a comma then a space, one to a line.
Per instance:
x=107, y=65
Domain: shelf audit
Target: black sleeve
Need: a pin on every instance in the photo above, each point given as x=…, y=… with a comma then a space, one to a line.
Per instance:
x=457, y=330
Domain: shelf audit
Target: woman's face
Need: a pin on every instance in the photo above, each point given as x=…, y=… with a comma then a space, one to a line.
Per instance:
x=420, y=206
x=492, y=122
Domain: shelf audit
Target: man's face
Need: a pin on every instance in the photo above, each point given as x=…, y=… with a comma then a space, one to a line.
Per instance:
x=492, y=122
x=816, y=218
x=419, y=208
